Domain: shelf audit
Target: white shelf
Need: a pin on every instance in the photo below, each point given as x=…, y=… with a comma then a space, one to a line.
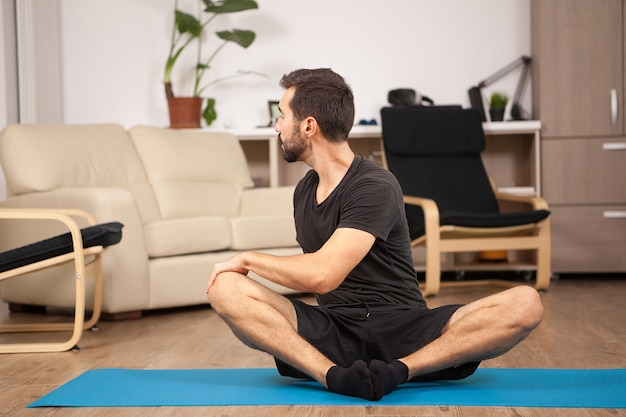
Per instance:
x=369, y=131
x=521, y=191
x=512, y=127
x=527, y=128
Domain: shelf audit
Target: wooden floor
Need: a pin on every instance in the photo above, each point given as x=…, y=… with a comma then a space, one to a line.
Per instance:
x=584, y=327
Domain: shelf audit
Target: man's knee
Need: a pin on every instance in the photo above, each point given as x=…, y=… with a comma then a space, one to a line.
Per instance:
x=530, y=306
x=225, y=289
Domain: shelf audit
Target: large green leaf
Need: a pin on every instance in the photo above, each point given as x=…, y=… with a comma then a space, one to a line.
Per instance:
x=186, y=23
x=243, y=38
x=229, y=6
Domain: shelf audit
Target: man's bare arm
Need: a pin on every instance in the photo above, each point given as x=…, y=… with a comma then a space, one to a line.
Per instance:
x=318, y=272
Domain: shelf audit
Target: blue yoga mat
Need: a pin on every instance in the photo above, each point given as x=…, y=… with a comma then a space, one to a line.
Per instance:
x=584, y=388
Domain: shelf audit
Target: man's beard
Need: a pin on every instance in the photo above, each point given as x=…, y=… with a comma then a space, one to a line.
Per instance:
x=293, y=152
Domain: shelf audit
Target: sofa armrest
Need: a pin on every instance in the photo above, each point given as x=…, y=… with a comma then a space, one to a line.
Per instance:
x=267, y=201
x=121, y=292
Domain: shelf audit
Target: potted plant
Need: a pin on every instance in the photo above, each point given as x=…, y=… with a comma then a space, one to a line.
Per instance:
x=185, y=111
x=497, y=105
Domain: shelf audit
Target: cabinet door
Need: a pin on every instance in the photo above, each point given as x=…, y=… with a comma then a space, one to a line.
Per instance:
x=584, y=171
x=577, y=68
x=588, y=239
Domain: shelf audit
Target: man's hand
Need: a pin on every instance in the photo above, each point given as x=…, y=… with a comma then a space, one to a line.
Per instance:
x=234, y=264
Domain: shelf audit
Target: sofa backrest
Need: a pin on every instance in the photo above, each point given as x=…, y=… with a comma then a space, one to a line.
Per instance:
x=193, y=173
x=40, y=158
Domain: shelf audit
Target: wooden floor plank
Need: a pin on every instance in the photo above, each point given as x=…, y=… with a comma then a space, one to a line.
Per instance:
x=583, y=327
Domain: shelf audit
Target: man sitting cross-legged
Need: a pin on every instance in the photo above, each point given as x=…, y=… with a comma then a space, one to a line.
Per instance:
x=372, y=330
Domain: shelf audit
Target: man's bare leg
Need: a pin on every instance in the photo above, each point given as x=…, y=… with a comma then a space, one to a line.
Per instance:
x=265, y=320
x=477, y=331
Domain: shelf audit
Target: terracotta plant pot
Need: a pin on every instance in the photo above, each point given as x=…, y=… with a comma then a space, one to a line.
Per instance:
x=184, y=112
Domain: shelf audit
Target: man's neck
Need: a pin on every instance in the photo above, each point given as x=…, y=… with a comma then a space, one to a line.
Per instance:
x=331, y=166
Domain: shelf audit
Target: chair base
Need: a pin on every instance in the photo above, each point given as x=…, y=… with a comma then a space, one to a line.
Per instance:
x=87, y=265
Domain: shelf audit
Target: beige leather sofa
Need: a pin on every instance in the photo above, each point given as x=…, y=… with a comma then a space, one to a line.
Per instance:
x=186, y=200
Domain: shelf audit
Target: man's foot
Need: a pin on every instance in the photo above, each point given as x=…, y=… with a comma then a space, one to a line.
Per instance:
x=387, y=376
x=355, y=381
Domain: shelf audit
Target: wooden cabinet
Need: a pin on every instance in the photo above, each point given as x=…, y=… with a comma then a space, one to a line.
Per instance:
x=577, y=67
x=578, y=94
x=585, y=170
x=588, y=238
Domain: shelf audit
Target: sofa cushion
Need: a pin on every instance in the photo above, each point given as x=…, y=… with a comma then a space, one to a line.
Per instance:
x=193, y=173
x=184, y=236
x=267, y=201
x=196, y=199
x=68, y=156
x=258, y=232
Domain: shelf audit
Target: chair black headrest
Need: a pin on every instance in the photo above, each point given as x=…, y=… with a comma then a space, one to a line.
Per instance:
x=441, y=131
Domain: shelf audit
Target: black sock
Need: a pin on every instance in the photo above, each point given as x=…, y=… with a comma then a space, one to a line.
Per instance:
x=355, y=381
x=387, y=376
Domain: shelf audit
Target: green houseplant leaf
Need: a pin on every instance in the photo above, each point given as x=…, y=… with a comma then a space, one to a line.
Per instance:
x=189, y=28
x=186, y=23
x=498, y=101
x=243, y=38
x=229, y=6
x=209, y=114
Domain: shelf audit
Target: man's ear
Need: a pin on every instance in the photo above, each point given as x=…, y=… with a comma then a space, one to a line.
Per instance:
x=309, y=126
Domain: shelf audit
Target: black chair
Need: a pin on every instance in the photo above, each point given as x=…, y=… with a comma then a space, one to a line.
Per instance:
x=451, y=203
x=83, y=247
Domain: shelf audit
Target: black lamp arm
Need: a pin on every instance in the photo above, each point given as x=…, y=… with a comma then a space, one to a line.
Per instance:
x=523, y=60
x=516, y=111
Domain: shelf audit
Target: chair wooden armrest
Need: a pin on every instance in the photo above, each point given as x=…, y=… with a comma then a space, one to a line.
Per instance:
x=432, y=236
x=78, y=255
x=537, y=203
x=438, y=239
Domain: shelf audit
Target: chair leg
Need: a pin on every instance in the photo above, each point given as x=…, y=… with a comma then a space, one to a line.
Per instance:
x=543, y=270
x=77, y=328
x=79, y=317
x=95, y=268
x=432, y=282
x=543, y=257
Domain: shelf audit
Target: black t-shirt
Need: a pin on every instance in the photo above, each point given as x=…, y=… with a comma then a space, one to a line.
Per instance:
x=368, y=198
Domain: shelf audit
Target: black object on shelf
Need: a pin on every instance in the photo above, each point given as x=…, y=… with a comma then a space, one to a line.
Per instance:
x=475, y=94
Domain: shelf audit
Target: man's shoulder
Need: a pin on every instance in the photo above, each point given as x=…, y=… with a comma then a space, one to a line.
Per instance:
x=371, y=182
x=369, y=170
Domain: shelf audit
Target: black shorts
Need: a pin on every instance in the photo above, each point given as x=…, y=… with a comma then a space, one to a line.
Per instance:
x=386, y=332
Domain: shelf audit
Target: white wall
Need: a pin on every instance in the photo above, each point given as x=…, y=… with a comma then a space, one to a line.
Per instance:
x=113, y=53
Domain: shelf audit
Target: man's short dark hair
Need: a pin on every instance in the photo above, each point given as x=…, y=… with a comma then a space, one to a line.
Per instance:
x=324, y=95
